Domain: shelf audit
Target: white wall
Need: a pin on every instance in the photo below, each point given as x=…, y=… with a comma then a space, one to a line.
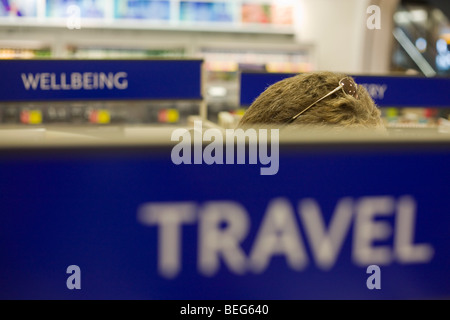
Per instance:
x=343, y=42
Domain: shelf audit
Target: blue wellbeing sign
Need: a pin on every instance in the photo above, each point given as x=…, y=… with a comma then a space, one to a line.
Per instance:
x=386, y=91
x=337, y=221
x=60, y=80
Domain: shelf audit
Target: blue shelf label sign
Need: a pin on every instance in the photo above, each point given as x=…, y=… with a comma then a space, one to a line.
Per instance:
x=52, y=80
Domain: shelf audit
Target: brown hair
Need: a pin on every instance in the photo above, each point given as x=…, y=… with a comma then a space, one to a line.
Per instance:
x=284, y=99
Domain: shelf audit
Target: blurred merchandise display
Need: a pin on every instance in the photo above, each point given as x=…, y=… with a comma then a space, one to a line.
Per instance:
x=18, y=8
x=81, y=8
x=256, y=13
x=31, y=116
x=282, y=14
x=232, y=59
x=223, y=66
x=267, y=13
x=142, y=9
x=19, y=53
x=228, y=13
x=107, y=52
x=206, y=11
x=414, y=117
x=96, y=113
x=422, y=31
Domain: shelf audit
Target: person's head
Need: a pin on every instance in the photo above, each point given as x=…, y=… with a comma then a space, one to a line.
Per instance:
x=281, y=103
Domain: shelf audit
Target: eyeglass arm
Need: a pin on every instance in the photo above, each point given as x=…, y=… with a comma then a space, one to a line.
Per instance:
x=328, y=94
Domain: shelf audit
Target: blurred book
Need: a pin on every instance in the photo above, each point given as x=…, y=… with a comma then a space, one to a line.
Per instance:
x=281, y=14
x=205, y=11
x=267, y=14
x=142, y=9
x=256, y=13
x=84, y=8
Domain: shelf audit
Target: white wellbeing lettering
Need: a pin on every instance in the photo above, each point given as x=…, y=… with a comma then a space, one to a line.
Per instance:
x=30, y=81
x=50, y=81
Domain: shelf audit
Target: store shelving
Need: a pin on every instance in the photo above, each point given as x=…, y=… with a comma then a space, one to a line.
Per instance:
x=199, y=15
x=228, y=35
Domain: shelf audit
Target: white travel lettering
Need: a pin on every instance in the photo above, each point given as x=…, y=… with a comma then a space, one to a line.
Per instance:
x=278, y=234
x=367, y=230
x=326, y=246
x=169, y=218
x=404, y=248
x=223, y=225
